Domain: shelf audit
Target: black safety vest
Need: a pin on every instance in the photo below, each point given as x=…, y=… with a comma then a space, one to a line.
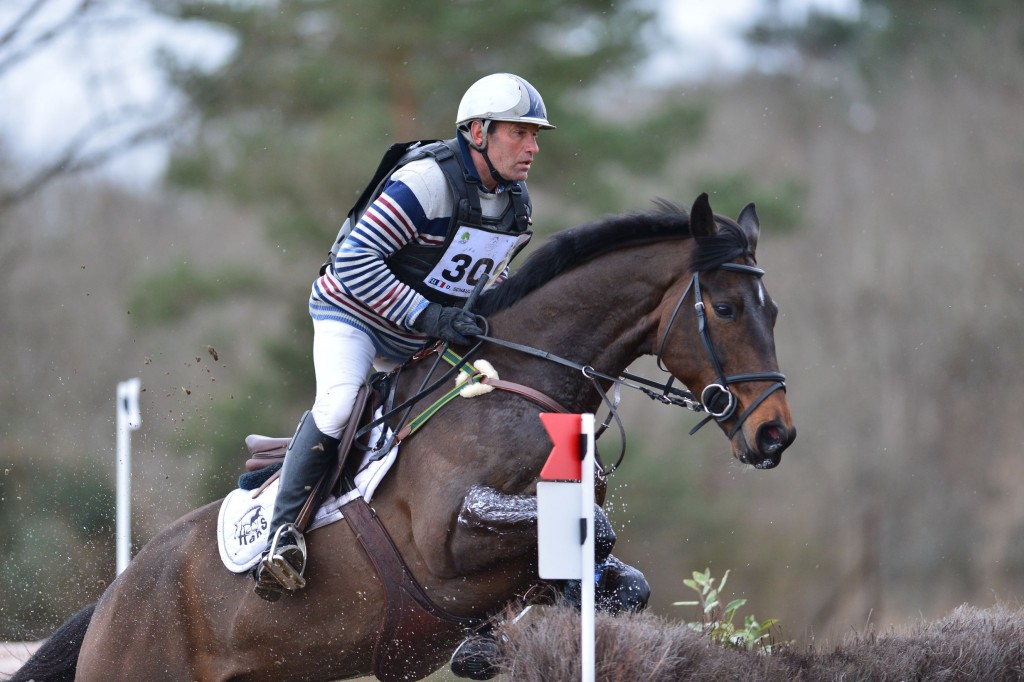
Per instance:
x=413, y=262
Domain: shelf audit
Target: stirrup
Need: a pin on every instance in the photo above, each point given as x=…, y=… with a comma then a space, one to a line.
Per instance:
x=278, y=565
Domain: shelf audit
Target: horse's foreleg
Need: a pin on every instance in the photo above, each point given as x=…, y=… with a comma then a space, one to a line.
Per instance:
x=493, y=526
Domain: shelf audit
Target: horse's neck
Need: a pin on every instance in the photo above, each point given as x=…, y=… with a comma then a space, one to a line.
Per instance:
x=601, y=314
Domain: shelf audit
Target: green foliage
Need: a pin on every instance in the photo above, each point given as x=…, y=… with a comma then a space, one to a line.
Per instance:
x=717, y=619
x=268, y=401
x=778, y=206
x=169, y=295
x=822, y=36
x=219, y=432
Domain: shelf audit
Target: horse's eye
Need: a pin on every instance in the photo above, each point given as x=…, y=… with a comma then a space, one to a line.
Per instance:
x=725, y=310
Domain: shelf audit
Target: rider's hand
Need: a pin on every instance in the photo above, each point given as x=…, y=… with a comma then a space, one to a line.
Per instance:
x=450, y=324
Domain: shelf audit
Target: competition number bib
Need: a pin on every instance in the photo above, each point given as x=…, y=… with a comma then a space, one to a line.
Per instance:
x=473, y=254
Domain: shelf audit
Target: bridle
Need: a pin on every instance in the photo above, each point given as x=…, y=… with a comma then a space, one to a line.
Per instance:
x=716, y=399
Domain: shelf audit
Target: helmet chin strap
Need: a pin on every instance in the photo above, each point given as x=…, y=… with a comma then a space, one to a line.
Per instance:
x=498, y=177
x=482, y=148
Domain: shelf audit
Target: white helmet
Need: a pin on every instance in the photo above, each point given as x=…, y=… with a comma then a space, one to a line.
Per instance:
x=502, y=97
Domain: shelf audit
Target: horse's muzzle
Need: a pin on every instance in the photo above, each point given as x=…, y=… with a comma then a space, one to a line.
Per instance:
x=772, y=439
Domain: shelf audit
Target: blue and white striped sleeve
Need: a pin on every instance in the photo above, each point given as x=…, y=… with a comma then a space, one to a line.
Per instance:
x=407, y=207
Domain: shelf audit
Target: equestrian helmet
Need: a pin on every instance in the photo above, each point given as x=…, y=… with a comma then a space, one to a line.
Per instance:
x=502, y=97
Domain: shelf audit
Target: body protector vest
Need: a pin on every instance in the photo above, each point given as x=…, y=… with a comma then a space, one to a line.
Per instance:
x=475, y=247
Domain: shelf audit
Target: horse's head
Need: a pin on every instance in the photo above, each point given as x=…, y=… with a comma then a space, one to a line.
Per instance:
x=716, y=331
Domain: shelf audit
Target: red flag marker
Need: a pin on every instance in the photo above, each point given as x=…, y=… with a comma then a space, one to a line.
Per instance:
x=564, y=462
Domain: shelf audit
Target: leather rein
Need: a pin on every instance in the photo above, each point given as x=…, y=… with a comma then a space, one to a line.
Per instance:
x=717, y=400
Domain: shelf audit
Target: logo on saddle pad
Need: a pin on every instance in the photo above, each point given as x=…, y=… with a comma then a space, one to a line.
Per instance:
x=251, y=526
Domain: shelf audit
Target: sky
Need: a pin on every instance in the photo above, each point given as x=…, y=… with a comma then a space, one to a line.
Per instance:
x=110, y=66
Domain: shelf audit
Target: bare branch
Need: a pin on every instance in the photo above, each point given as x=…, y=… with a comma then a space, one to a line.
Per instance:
x=38, y=42
x=19, y=23
x=103, y=138
x=73, y=159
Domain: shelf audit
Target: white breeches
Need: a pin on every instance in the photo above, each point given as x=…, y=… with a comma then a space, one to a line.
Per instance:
x=342, y=356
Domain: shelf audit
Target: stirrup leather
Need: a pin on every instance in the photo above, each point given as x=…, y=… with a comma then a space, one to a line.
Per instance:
x=278, y=565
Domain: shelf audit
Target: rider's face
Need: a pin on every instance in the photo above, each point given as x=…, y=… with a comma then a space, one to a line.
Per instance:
x=511, y=147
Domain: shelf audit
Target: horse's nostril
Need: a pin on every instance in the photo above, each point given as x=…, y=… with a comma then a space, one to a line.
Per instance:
x=772, y=439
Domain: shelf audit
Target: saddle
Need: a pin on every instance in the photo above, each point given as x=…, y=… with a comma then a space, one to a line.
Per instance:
x=410, y=616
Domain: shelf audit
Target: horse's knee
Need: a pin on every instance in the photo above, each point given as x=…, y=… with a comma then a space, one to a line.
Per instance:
x=492, y=527
x=621, y=588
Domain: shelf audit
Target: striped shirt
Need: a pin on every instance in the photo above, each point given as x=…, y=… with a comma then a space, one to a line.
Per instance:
x=415, y=207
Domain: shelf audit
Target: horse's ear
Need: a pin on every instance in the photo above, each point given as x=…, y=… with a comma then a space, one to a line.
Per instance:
x=750, y=224
x=702, y=220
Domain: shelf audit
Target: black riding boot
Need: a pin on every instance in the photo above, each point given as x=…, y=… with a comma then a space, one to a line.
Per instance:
x=309, y=455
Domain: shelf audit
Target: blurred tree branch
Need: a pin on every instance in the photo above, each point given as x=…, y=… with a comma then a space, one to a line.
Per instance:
x=104, y=136
x=19, y=26
x=77, y=156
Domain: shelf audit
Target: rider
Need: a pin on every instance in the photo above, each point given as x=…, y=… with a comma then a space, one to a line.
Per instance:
x=392, y=284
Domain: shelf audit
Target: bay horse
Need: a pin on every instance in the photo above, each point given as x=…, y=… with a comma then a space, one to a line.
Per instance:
x=459, y=502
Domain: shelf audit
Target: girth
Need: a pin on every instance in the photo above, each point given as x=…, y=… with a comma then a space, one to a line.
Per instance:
x=410, y=617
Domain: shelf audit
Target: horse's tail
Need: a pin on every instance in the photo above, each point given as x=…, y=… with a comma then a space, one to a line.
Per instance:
x=57, y=658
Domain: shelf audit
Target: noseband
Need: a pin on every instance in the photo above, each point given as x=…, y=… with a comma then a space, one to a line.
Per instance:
x=718, y=401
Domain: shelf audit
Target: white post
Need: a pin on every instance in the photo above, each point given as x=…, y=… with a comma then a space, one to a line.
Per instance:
x=128, y=419
x=565, y=519
x=587, y=652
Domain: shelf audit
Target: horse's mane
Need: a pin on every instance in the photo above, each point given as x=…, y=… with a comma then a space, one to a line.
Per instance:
x=572, y=247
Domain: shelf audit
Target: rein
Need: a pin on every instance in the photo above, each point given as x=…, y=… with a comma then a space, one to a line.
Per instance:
x=389, y=382
x=716, y=399
x=669, y=395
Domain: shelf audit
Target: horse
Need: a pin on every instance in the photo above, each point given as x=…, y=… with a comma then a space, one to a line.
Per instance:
x=459, y=503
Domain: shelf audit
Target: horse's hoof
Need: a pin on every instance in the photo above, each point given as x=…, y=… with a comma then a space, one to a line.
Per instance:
x=476, y=658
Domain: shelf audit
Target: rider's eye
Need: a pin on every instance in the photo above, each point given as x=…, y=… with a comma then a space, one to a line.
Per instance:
x=725, y=310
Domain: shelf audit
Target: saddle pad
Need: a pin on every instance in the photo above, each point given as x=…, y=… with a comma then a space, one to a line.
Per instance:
x=244, y=520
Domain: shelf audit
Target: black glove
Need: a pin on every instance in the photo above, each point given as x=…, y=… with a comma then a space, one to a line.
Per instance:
x=453, y=325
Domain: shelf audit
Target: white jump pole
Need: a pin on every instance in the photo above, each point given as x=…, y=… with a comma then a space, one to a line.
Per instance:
x=565, y=519
x=587, y=560
x=128, y=419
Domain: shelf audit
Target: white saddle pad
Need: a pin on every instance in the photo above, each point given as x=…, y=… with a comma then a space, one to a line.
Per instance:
x=244, y=520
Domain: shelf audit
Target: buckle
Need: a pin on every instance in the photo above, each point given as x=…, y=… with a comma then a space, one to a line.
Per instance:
x=718, y=400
